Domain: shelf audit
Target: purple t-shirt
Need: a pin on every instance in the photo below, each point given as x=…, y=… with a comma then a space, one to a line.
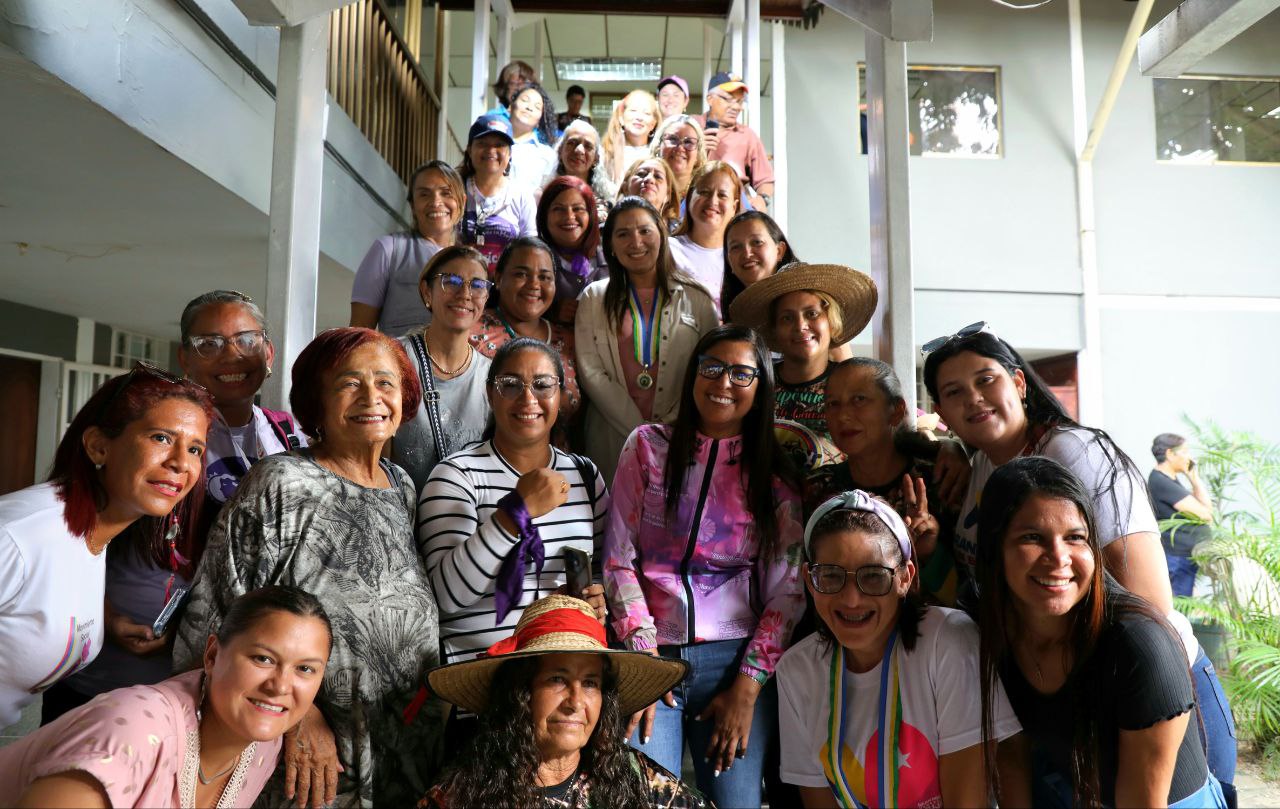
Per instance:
x=508, y=215
x=388, y=279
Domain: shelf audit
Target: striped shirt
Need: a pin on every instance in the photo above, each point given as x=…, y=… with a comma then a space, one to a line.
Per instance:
x=463, y=546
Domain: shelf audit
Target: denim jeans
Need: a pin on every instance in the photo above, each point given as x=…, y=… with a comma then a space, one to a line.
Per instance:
x=1182, y=574
x=713, y=667
x=1219, y=733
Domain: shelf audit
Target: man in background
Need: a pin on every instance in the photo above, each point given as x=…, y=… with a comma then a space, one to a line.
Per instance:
x=735, y=143
x=1169, y=498
x=573, y=97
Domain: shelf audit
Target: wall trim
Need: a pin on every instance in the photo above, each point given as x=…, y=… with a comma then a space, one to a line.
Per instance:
x=1184, y=303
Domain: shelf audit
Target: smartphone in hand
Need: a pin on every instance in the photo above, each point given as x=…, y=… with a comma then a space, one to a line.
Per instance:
x=171, y=606
x=577, y=570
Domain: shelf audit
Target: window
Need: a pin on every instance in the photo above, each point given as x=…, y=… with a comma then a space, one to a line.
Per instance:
x=1217, y=120
x=952, y=111
x=127, y=348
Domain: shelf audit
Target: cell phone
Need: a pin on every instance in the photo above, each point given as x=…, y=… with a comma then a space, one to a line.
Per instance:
x=577, y=571
x=171, y=606
x=712, y=124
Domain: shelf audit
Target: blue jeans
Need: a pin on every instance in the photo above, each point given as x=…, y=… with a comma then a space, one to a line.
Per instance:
x=1182, y=574
x=1219, y=734
x=713, y=667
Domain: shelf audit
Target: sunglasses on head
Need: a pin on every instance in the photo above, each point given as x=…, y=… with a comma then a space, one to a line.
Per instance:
x=968, y=331
x=149, y=369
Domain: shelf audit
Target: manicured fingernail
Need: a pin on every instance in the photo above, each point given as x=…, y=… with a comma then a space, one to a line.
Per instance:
x=717, y=774
x=646, y=739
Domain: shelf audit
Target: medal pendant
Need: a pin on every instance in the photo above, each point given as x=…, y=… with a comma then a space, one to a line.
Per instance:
x=480, y=239
x=644, y=380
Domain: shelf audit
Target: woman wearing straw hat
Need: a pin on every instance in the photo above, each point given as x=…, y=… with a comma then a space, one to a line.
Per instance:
x=803, y=310
x=553, y=701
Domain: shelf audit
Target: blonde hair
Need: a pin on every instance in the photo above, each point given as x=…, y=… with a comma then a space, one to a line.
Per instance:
x=614, y=141
x=830, y=307
x=670, y=210
x=709, y=169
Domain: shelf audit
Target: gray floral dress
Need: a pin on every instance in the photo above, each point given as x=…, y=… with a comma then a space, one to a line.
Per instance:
x=294, y=522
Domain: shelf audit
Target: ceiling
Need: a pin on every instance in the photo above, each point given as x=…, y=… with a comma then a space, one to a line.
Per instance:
x=98, y=221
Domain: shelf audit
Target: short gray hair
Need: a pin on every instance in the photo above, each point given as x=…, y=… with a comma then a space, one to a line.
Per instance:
x=192, y=310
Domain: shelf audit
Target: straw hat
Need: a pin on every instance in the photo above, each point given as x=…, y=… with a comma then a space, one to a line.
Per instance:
x=854, y=291
x=552, y=625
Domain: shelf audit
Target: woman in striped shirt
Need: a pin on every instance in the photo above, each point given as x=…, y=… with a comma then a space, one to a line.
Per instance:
x=495, y=521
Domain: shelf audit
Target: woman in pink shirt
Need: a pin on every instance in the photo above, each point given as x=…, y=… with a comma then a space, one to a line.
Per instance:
x=702, y=555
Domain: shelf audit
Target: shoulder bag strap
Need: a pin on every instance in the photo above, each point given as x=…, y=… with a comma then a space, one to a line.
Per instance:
x=430, y=397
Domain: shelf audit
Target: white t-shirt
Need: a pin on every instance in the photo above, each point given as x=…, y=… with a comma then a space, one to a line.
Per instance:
x=1079, y=451
x=51, y=593
x=941, y=711
x=530, y=162
x=706, y=266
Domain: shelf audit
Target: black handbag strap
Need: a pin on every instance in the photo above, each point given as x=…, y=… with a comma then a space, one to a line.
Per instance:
x=430, y=396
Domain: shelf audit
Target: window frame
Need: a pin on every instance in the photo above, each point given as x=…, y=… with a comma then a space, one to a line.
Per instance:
x=1155, y=120
x=860, y=68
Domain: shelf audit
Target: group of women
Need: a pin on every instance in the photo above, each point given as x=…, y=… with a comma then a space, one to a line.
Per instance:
x=554, y=491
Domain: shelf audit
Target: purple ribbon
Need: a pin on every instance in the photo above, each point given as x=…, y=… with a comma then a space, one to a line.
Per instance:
x=579, y=264
x=510, y=583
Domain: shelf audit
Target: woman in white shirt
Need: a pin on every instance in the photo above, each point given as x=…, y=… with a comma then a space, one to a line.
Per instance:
x=533, y=126
x=698, y=244
x=626, y=139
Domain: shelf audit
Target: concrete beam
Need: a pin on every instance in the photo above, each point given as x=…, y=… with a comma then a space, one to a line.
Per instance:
x=898, y=20
x=282, y=13
x=1193, y=30
x=778, y=68
x=751, y=70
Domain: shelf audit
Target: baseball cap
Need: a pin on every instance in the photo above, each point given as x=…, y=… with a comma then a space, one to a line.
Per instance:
x=491, y=124
x=728, y=82
x=678, y=82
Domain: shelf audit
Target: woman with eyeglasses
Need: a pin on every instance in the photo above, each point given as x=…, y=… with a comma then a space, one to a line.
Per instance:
x=997, y=404
x=336, y=520
x=702, y=556
x=634, y=332
x=631, y=125
x=697, y=246
x=569, y=221
x=653, y=180
x=452, y=410
x=525, y=286
x=498, y=523
x=498, y=209
x=679, y=141
x=876, y=708
x=133, y=454
x=384, y=294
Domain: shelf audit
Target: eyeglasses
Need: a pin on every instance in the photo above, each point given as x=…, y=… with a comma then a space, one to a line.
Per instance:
x=453, y=284
x=142, y=367
x=873, y=580
x=247, y=343
x=968, y=331
x=740, y=375
x=513, y=387
x=730, y=100
x=673, y=142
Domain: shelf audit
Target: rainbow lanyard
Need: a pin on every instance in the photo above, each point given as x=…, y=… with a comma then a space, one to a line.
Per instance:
x=889, y=711
x=645, y=332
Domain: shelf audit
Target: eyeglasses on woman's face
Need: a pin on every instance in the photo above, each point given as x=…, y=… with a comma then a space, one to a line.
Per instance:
x=872, y=580
x=247, y=343
x=676, y=142
x=544, y=386
x=740, y=375
x=454, y=284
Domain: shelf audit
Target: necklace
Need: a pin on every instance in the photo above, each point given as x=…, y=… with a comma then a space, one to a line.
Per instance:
x=466, y=361
x=207, y=780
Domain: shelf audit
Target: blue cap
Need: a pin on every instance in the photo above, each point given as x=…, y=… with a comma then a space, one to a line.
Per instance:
x=491, y=123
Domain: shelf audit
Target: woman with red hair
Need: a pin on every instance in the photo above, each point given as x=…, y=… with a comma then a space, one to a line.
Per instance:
x=569, y=221
x=134, y=451
x=336, y=520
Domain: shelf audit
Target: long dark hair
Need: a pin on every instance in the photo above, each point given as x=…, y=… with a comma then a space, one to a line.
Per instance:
x=733, y=286
x=615, y=291
x=1008, y=489
x=546, y=128
x=762, y=460
x=1044, y=411
x=499, y=765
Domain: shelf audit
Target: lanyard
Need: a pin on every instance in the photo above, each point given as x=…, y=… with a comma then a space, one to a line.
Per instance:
x=645, y=333
x=889, y=713
x=485, y=207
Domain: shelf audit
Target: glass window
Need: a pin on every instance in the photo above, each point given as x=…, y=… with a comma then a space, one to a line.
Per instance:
x=952, y=111
x=1217, y=120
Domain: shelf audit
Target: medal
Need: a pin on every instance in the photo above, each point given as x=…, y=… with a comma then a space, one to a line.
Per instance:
x=645, y=334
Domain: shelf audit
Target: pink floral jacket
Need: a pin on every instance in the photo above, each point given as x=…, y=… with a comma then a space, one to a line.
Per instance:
x=668, y=583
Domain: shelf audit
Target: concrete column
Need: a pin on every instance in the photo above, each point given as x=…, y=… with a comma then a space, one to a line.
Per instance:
x=538, y=51
x=707, y=33
x=893, y=326
x=736, y=47
x=480, y=60
x=443, y=19
x=751, y=73
x=1089, y=358
x=297, y=174
x=779, y=71
x=504, y=41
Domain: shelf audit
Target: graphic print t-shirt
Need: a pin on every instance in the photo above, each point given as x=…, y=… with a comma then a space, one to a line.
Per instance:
x=941, y=712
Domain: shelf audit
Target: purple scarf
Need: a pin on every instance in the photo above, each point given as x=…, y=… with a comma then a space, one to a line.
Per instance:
x=511, y=575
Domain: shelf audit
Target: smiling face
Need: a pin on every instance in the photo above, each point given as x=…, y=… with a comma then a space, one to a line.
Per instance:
x=526, y=110
x=636, y=241
x=726, y=107
x=455, y=310
x=650, y=181
x=435, y=207
x=752, y=253
x=859, y=622
x=362, y=397
x=232, y=377
x=982, y=403
x=1048, y=563
x=527, y=284
x=262, y=682
x=579, y=151
x=859, y=416
x=489, y=155
x=682, y=160
x=567, y=219
x=638, y=121
x=713, y=202
x=800, y=328
x=525, y=420
x=154, y=462
x=721, y=404
x=671, y=100
x=567, y=692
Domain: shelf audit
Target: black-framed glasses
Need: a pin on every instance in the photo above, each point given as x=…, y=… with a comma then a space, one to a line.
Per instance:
x=543, y=386
x=142, y=367
x=740, y=375
x=673, y=142
x=453, y=284
x=968, y=331
x=247, y=343
x=872, y=580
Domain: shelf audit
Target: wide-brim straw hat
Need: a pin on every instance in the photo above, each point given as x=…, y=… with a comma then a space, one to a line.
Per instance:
x=852, y=290
x=558, y=624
